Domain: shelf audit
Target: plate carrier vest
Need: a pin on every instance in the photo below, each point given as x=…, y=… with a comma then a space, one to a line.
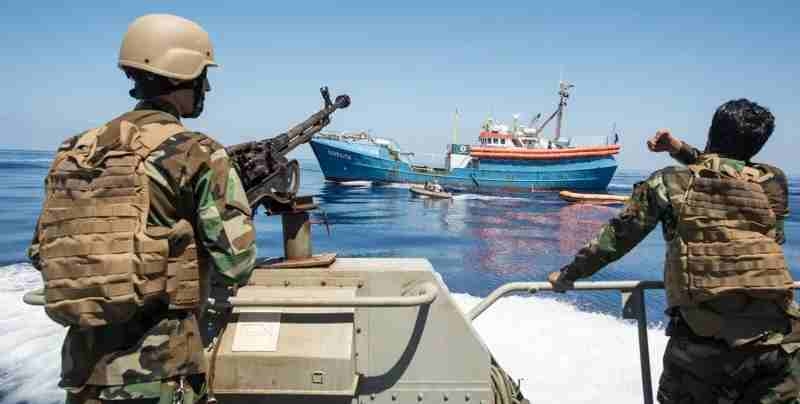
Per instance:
x=725, y=241
x=100, y=261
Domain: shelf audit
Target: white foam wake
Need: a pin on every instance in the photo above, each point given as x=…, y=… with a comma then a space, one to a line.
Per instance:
x=355, y=183
x=29, y=341
x=399, y=185
x=563, y=355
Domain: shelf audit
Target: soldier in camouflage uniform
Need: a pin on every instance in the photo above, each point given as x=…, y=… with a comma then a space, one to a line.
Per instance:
x=158, y=353
x=734, y=328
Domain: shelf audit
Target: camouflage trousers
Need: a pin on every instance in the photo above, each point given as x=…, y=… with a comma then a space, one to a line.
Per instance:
x=706, y=371
x=189, y=390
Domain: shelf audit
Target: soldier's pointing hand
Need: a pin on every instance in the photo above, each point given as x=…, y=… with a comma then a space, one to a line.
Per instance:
x=663, y=141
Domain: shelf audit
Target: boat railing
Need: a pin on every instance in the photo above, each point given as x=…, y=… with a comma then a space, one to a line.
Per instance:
x=633, y=307
x=352, y=136
x=589, y=141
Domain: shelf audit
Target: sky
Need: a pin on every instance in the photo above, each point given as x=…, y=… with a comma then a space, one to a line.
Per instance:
x=409, y=65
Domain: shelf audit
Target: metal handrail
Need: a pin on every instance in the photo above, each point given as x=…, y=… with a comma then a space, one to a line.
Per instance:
x=632, y=308
x=533, y=287
x=34, y=297
x=427, y=293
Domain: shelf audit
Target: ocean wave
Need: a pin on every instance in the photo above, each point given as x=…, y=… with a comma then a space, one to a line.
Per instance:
x=479, y=197
x=310, y=169
x=621, y=187
x=539, y=340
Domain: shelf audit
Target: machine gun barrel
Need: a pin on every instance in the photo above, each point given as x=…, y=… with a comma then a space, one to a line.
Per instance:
x=266, y=174
x=302, y=132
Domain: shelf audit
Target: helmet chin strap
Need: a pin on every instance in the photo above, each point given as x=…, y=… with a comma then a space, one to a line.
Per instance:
x=148, y=86
x=200, y=86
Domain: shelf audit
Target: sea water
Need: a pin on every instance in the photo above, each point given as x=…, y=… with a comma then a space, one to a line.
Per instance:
x=571, y=348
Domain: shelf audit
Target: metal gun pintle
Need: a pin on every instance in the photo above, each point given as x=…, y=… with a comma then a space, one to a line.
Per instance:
x=267, y=175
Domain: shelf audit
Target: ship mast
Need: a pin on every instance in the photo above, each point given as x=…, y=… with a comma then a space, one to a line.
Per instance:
x=455, y=127
x=564, y=93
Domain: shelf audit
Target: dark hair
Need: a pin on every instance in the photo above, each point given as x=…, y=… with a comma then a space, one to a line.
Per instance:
x=739, y=129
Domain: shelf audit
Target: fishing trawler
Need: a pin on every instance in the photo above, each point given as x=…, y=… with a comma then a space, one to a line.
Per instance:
x=515, y=157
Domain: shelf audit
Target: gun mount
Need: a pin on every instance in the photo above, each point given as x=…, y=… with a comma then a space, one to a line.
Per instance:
x=271, y=180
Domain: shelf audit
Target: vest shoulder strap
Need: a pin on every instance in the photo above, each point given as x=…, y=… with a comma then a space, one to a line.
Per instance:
x=759, y=174
x=145, y=130
x=151, y=136
x=707, y=166
x=712, y=167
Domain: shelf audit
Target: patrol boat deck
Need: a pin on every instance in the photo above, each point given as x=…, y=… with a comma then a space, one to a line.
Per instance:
x=370, y=330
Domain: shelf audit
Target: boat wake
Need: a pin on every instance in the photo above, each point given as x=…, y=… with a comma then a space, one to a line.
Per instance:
x=398, y=185
x=357, y=184
x=29, y=340
x=562, y=354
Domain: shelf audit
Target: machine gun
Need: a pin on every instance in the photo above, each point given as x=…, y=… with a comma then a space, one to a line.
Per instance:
x=269, y=178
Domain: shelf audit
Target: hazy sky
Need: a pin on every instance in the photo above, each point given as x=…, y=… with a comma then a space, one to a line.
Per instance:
x=408, y=65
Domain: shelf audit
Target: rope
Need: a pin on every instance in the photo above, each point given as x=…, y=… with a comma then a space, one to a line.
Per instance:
x=506, y=391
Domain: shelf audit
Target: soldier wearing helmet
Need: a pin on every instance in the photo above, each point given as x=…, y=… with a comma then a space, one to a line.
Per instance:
x=138, y=214
x=734, y=325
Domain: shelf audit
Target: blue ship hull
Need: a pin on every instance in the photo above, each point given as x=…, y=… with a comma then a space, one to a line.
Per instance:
x=350, y=161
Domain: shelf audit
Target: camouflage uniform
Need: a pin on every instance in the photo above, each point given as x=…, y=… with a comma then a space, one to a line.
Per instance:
x=731, y=350
x=190, y=178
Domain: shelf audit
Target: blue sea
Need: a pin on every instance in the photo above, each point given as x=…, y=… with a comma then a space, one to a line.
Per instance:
x=476, y=242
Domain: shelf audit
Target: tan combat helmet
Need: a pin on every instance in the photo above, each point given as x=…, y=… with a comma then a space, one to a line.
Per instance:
x=166, y=45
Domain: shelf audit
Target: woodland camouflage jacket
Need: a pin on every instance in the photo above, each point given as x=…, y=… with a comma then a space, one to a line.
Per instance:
x=191, y=178
x=732, y=320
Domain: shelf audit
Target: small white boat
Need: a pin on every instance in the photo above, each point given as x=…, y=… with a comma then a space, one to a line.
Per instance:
x=432, y=190
x=603, y=199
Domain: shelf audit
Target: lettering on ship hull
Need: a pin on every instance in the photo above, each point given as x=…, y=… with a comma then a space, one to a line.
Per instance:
x=339, y=155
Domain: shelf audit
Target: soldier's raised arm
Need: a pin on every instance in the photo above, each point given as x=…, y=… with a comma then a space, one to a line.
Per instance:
x=664, y=141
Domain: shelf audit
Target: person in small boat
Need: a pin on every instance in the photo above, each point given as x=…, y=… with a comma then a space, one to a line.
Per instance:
x=433, y=186
x=734, y=325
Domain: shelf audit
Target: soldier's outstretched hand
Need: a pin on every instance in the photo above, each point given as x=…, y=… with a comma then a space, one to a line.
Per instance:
x=560, y=284
x=663, y=141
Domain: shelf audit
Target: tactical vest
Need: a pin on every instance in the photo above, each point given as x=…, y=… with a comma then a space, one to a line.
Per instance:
x=725, y=240
x=100, y=261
